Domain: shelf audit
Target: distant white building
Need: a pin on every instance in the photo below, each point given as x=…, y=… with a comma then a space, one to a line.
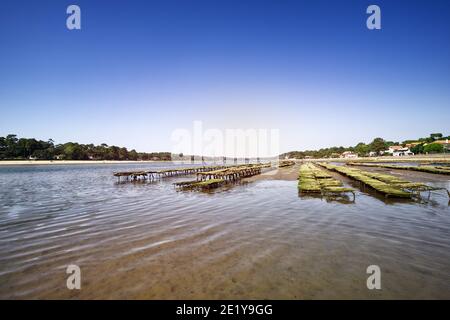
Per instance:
x=349, y=155
x=403, y=152
x=373, y=154
x=393, y=149
x=398, y=151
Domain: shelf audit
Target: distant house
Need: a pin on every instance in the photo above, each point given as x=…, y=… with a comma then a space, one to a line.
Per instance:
x=349, y=155
x=373, y=154
x=393, y=149
x=398, y=151
x=403, y=152
x=412, y=144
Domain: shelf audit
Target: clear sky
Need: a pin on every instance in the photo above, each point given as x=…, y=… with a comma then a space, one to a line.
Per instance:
x=138, y=70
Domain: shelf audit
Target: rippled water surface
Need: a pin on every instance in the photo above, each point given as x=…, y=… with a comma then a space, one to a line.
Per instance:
x=253, y=240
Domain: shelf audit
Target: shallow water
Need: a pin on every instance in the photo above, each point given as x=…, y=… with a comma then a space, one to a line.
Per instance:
x=253, y=240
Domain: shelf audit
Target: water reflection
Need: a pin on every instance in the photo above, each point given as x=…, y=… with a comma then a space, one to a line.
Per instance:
x=255, y=239
x=340, y=198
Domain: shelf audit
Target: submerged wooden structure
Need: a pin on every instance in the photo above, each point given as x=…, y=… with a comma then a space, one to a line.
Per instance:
x=231, y=174
x=195, y=184
x=207, y=177
x=312, y=180
x=216, y=178
x=427, y=169
x=158, y=174
x=286, y=163
x=389, y=185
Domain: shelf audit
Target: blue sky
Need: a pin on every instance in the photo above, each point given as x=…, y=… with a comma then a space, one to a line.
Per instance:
x=138, y=70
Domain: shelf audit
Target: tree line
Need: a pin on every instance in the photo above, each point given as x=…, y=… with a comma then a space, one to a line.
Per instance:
x=378, y=145
x=14, y=148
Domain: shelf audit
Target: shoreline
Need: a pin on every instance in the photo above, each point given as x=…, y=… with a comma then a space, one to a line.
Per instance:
x=415, y=158
x=80, y=162
x=70, y=162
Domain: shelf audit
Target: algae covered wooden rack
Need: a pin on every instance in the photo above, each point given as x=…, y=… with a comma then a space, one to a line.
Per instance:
x=286, y=163
x=158, y=174
x=216, y=178
x=427, y=169
x=233, y=173
x=199, y=185
x=386, y=184
x=312, y=180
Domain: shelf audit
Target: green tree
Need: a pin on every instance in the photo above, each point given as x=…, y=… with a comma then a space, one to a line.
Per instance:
x=11, y=146
x=74, y=151
x=362, y=149
x=123, y=154
x=3, y=148
x=436, y=136
x=378, y=144
x=133, y=155
x=417, y=149
x=433, y=148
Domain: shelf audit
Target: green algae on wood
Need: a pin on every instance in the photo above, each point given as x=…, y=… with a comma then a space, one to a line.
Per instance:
x=389, y=185
x=389, y=190
x=427, y=169
x=194, y=184
x=315, y=180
